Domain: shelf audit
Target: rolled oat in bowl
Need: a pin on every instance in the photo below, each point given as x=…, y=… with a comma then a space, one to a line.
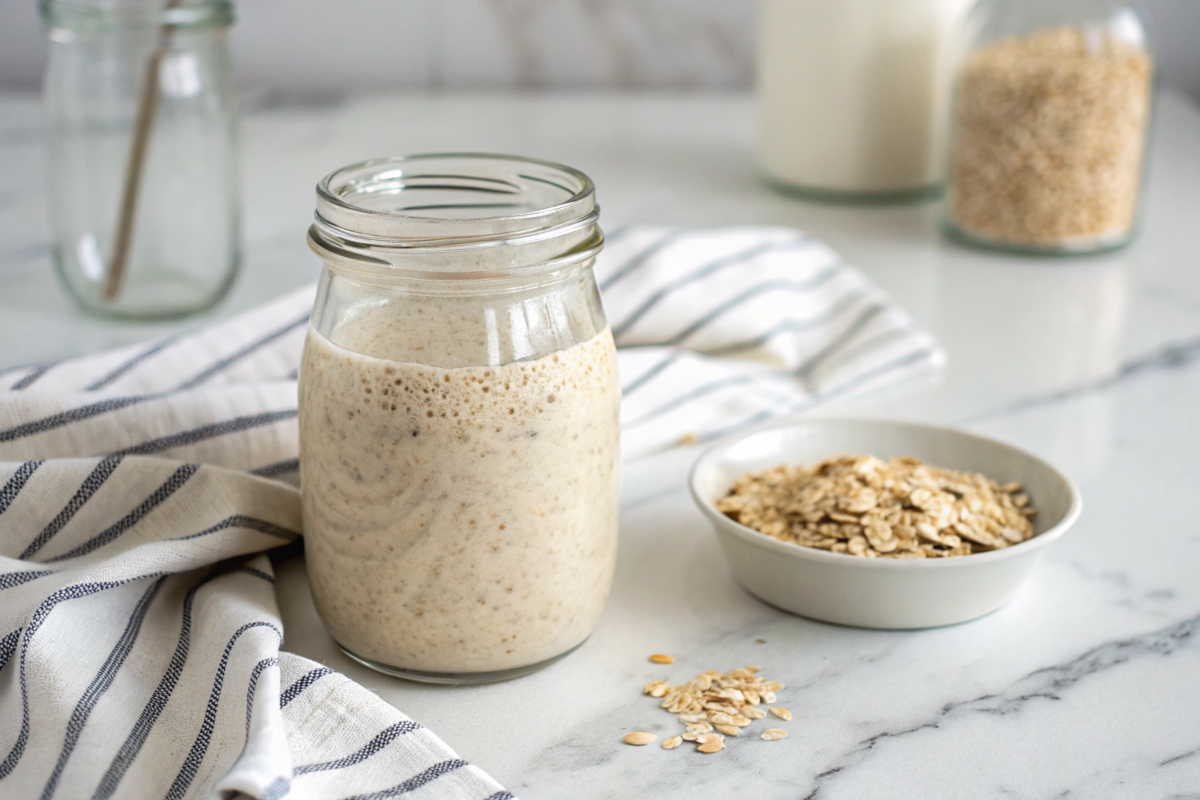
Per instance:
x=865, y=506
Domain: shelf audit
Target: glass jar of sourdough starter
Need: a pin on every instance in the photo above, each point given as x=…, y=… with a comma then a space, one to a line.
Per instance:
x=458, y=416
x=1050, y=119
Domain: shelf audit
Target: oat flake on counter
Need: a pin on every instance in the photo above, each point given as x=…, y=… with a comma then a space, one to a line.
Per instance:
x=728, y=702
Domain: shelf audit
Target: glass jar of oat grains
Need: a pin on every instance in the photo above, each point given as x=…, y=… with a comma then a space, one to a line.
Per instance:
x=1050, y=116
x=458, y=416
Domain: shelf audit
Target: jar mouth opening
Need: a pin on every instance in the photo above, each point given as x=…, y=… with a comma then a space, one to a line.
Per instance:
x=104, y=15
x=459, y=213
x=451, y=198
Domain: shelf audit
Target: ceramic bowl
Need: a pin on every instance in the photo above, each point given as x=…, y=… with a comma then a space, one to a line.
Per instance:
x=881, y=592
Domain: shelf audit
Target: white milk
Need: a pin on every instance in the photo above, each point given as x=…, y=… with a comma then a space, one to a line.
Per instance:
x=853, y=93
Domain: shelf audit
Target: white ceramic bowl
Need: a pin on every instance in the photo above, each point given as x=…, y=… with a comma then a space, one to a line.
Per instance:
x=881, y=592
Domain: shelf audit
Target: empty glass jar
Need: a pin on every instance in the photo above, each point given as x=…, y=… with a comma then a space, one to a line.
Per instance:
x=1050, y=119
x=140, y=120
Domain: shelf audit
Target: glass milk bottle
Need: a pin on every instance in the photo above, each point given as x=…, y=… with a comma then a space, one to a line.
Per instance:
x=458, y=416
x=852, y=96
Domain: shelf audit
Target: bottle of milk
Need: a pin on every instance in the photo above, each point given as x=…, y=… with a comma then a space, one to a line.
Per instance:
x=852, y=95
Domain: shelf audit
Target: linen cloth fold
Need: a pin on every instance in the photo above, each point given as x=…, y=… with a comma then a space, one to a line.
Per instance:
x=140, y=488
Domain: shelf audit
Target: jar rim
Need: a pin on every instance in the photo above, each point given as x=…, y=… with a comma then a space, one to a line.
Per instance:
x=456, y=213
x=390, y=177
x=108, y=15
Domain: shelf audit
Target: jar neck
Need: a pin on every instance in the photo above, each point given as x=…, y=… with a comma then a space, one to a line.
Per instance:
x=105, y=16
x=463, y=218
x=520, y=260
x=1117, y=19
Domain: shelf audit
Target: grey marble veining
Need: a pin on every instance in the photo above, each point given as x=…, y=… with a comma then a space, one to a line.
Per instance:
x=1046, y=684
x=1086, y=685
x=1167, y=356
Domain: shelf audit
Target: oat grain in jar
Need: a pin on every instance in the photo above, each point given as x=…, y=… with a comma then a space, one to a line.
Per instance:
x=1050, y=117
x=458, y=416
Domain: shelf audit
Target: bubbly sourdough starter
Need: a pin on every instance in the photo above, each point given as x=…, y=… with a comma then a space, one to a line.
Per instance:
x=457, y=520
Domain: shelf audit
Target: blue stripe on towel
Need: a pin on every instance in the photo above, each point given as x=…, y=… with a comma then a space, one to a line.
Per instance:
x=100, y=684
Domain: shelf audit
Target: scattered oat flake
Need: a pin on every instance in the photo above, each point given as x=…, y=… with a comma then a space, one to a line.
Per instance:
x=639, y=738
x=711, y=746
x=781, y=712
x=672, y=743
x=761, y=641
x=774, y=733
x=730, y=701
x=656, y=689
x=662, y=658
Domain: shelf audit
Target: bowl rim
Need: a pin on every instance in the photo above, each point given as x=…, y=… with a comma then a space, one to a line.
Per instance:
x=726, y=525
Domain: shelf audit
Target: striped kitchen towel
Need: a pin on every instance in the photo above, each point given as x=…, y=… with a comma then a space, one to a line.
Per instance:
x=722, y=328
x=140, y=488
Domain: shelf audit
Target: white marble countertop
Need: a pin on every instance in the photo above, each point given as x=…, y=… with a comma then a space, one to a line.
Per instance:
x=1088, y=684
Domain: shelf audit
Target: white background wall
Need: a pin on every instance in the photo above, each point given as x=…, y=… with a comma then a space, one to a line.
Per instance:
x=314, y=48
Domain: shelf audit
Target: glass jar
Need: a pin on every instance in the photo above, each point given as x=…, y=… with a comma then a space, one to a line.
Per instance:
x=852, y=96
x=458, y=416
x=1050, y=119
x=140, y=120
